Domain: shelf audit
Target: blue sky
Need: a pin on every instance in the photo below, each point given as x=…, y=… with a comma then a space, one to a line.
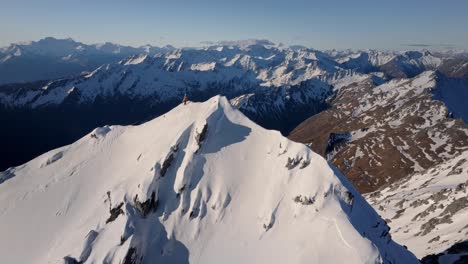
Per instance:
x=323, y=24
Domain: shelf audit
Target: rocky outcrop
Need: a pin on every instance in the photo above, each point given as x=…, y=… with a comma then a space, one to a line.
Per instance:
x=146, y=207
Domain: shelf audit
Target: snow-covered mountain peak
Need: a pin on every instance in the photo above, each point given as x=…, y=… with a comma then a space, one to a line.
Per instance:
x=52, y=58
x=200, y=184
x=231, y=70
x=243, y=44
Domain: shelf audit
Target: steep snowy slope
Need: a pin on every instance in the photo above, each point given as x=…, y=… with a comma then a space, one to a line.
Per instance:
x=428, y=211
x=200, y=184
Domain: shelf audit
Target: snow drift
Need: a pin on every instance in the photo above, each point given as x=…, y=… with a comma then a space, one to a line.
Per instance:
x=201, y=184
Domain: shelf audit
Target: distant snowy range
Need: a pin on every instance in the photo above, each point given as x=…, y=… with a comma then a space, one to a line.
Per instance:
x=282, y=154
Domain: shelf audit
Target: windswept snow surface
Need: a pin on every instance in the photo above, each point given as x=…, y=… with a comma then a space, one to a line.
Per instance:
x=201, y=184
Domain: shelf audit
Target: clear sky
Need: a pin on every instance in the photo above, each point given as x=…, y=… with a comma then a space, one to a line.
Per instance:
x=326, y=24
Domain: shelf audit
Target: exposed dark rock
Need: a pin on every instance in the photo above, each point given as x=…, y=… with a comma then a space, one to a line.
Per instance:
x=456, y=206
x=122, y=239
x=375, y=194
x=433, y=222
x=181, y=189
x=200, y=136
x=304, y=164
x=455, y=171
x=304, y=200
x=428, y=210
x=418, y=203
x=109, y=199
x=115, y=212
x=166, y=164
x=293, y=162
x=399, y=213
x=70, y=260
x=400, y=203
x=348, y=197
x=267, y=226
x=440, y=195
x=148, y=206
x=194, y=213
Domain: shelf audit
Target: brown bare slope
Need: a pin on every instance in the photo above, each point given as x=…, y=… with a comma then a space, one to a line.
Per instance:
x=378, y=134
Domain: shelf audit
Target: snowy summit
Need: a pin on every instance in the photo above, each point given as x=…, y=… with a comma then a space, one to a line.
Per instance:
x=200, y=184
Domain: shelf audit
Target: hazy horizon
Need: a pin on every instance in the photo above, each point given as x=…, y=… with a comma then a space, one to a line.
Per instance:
x=402, y=48
x=336, y=24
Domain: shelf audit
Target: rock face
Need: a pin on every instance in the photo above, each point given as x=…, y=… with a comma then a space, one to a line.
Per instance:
x=427, y=210
x=224, y=197
x=378, y=134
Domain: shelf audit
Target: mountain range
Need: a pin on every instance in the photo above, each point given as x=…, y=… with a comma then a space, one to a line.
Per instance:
x=276, y=86
x=394, y=123
x=52, y=58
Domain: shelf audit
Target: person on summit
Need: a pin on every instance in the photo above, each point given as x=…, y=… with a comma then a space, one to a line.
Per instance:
x=185, y=99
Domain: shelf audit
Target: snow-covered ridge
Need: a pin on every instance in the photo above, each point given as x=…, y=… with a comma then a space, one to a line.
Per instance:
x=200, y=184
x=168, y=76
x=167, y=72
x=63, y=47
x=51, y=58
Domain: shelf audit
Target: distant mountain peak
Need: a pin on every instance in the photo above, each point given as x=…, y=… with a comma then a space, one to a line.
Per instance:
x=241, y=43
